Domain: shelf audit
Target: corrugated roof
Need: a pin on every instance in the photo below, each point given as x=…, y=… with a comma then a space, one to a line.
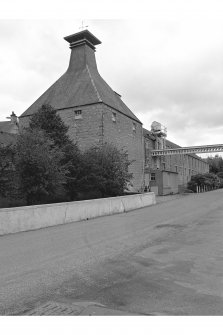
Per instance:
x=80, y=85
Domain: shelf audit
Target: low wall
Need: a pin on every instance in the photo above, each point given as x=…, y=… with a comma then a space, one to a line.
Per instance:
x=13, y=220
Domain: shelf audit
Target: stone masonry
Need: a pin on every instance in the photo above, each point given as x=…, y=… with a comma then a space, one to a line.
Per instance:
x=94, y=113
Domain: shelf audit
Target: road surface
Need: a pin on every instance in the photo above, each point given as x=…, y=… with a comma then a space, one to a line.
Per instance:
x=161, y=260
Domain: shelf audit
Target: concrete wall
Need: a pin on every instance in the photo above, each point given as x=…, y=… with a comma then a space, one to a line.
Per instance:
x=170, y=182
x=13, y=220
x=158, y=182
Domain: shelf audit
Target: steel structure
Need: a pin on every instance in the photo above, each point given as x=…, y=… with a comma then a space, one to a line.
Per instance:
x=198, y=149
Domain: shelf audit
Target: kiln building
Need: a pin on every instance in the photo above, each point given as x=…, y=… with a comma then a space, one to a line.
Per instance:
x=96, y=114
x=93, y=111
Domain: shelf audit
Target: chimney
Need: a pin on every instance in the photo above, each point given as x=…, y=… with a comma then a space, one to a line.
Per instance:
x=82, y=45
x=14, y=118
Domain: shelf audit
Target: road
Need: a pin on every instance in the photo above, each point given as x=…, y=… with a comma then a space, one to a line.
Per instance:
x=161, y=260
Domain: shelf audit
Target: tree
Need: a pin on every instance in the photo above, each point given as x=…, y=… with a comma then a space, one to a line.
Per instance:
x=47, y=120
x=216, y=164
x=207, y=179
x=38, y=165
x=7, y=172
x=220, y=176
x=104, y=171
x=72, y=161
x=212, y=180
x=50, y=122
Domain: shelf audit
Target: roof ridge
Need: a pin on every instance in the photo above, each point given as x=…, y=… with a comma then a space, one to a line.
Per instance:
x=93, y=83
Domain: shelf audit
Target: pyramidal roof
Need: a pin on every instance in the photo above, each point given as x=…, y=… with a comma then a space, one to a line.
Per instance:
x=81, y=84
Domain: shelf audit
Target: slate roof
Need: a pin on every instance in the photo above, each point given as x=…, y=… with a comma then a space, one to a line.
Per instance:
x=169, y=144
x=80, y=85
x=7, y=139
x=148, y=133
x=172, y=145
x=5, y=126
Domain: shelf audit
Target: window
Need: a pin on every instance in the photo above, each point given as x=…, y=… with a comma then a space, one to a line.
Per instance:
x=78, y=114
x=114, y=117
x=153, y=176
x=134, y=127
x=176, y=168
x=164, y=166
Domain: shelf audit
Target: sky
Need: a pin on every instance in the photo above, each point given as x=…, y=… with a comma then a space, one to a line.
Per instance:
x=167, y=65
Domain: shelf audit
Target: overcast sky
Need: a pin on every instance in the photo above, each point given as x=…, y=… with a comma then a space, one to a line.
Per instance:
x=168, y=68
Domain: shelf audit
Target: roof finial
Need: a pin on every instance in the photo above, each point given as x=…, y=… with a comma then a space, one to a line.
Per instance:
x=82, y=27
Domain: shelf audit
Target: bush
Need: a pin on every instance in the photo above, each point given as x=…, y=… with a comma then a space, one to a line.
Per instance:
x=210, y=180
x=104, y=170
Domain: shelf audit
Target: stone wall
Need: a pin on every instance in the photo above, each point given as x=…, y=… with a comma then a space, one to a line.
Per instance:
x=86, y=129
x=121, y=133
x=95, y=126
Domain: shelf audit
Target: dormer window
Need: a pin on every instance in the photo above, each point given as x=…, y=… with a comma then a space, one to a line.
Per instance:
x=114, y=117
x=78, y=114
x=134, y=127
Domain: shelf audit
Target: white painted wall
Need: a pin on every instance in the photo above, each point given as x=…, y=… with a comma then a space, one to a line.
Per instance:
x=13, y=220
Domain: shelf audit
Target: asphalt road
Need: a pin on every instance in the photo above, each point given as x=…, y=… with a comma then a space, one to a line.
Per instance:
x=161, y=260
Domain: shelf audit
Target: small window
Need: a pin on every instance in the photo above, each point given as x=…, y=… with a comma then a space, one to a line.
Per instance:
x=114, y=117
x=176, y=168
x=153, y=176
x=134, y=127
x=164, y=166
x=78, y=114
